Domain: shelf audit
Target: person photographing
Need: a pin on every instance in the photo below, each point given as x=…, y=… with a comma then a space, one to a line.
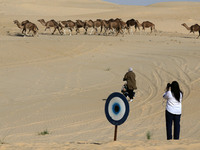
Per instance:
x=173, y=95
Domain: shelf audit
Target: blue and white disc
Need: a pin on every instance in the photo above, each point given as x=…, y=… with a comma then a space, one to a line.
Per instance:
x=116, y=108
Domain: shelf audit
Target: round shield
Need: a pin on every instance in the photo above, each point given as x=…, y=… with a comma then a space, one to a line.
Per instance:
x=116, y=108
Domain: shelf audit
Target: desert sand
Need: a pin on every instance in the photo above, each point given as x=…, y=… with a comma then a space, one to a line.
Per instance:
x=59, y=83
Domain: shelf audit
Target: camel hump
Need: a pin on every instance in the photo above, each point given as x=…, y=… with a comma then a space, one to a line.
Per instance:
x=133, y=20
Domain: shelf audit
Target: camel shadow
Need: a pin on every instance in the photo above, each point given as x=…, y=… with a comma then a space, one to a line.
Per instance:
x=187, y=37
x=55, y=34
x=16, y=34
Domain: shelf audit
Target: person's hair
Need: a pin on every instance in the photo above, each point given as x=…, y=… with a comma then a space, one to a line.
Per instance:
x=176, y=90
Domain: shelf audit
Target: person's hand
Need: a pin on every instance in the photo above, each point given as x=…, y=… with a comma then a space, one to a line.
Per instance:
x=168, y=86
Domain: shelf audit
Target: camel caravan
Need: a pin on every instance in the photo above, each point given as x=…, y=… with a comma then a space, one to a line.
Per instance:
x=105, y=27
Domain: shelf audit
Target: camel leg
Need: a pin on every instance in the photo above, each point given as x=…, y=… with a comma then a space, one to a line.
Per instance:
x=91, y=31
x=113, y=31
x=135, y=28
x=101, y=30
x=36, y=33
x=117, y=33
x=95, y=31
x=59, y=30
x=46, y=29
x=29, y=32
x=53, y=31
x=86, y=30
x=23, y=31
x=77, y=31
x=131, y=31
x=105, y=31
x=70, y=32
x=26, y=33
x=128, y=30
x=64, y=31
x=199, y=34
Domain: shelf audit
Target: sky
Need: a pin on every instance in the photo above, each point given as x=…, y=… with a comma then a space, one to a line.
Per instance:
x=143, y=2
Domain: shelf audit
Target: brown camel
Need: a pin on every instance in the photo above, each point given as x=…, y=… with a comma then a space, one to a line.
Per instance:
x=124, y=26
x=27, y=26
x=193, y=28
x=97, y=24
x=30, y=27
x=49, y=24
x=132, y=22
x=70, y=25
x=89, y=24
x=79, y=24
x=19, y=25
x=105, y=25
x=148, y=24
x=112, y=25
x=117, y=25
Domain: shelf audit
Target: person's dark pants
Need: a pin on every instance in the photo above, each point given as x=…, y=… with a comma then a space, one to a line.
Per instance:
x=170, y=118
x=130, y=93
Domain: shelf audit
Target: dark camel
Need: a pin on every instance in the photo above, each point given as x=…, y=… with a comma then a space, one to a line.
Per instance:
x=132, y=22
x=193, y=28
x=79, y=24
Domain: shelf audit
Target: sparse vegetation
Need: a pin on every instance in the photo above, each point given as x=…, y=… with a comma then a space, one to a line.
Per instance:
x=108, y=69
x=45, y=132
x=2, y=141
x=148, y=135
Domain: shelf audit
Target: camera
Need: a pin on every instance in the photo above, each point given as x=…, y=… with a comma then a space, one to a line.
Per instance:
x=168, y=86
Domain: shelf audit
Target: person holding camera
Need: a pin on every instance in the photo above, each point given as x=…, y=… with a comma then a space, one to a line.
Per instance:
x=173, y=95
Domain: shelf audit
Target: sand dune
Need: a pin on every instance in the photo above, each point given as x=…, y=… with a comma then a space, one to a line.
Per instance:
x=59, y=83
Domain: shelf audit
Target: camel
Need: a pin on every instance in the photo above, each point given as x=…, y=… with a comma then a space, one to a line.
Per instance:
x=193, y=28
x=27, y=26
x=112, y=25
x=118, y=24
x=19, y=25
x=97, y=24
x=105, y=25
x=67, y=24
x=49, y=24
x=88, y=24
x=132, y=22
x=79, y=24
x=31, y=27
x=123, y=25
x=148, y=24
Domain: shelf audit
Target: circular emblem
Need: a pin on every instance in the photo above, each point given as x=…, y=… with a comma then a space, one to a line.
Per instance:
x=116, y=108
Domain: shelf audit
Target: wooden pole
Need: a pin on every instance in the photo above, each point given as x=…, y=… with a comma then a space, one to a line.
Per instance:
x=115, y=134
